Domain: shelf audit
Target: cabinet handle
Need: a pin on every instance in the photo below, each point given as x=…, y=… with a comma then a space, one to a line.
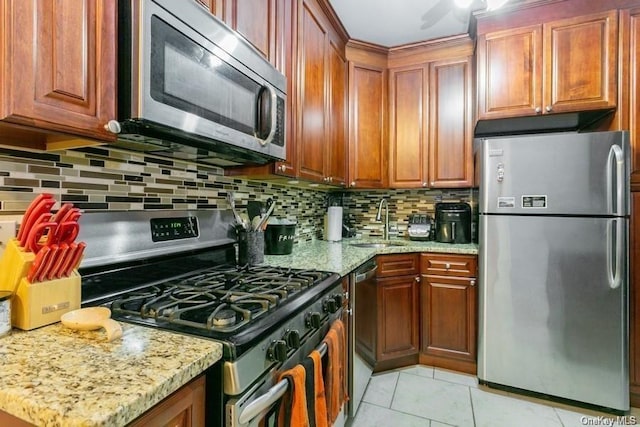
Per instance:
x=113, y=126
x=282, y=168
x=447, y=266
x=549, y=108
x=353, y=183
x=538, y=110
x=424, y=184
x=330, y=179
x=418, y=279
x=472, y=282
x=433, y=183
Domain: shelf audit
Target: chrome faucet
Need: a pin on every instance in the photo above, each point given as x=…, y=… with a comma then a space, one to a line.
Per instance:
x=385, y=231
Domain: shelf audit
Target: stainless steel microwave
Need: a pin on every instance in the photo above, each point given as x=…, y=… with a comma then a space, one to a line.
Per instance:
x=189, y=87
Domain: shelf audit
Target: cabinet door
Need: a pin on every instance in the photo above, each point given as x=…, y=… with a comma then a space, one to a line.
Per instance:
x=184, y=408
x=449, y=323
x=397, y=317
x=255, y=20
x=408, y=127
x=367, y=127
x=580, y=62
x=60, y=65
x=451, y=124
x=510, y=73
x=312, y=64
x=337, y=144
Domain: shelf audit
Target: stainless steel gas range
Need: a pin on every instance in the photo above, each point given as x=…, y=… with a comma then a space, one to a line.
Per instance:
x=176, y=270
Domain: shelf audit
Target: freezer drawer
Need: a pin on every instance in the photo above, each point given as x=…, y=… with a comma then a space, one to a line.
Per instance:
x=551, y=319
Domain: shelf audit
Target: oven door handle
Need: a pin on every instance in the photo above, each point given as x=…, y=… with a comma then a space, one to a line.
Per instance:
x=267, y=400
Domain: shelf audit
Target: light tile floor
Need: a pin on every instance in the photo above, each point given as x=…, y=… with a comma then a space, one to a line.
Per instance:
x=422, y=396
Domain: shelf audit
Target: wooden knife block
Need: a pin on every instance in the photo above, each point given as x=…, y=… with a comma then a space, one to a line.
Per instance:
x=35, y=304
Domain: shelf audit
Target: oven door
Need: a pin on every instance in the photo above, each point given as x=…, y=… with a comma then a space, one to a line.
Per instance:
x=258, y=405
x=196, y=75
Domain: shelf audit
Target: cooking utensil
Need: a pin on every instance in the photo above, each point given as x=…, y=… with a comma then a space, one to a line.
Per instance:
x=30, y=212
x=92, y=318
x=38, y=264
x=47, y=265
x=232, y=203
x=254, y=209
x=263, y=222
x=74, y=259
x=58, y=262
x=32, y=217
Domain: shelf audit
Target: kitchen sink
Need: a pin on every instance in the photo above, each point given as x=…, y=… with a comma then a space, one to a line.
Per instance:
x=377, y=245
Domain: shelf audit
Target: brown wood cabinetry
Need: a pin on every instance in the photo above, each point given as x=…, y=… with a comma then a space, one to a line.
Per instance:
x=408, y=127
x=629, y=63
x=307, y=46
x=322, y=98
x=387, y=329
x=532, y=70
x=450, y=124
x=59, y=69
x=448, y=311
x=430, y=120
x=368, y=149
x=184, y=408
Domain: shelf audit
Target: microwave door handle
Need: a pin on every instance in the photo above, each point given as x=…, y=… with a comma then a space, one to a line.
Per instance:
x=453, y=231
x=272, y=112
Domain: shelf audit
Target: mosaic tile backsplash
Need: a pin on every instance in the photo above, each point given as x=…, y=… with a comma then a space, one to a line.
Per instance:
x=110, y=179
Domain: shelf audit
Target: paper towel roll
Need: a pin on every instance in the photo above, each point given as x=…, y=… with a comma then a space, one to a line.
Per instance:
x=334, y=224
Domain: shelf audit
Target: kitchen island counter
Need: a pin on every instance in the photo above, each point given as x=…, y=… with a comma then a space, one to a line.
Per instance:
x=56, y=376
x=342, y=258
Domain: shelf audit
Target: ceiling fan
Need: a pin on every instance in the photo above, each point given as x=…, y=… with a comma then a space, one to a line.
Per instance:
x=459, y=8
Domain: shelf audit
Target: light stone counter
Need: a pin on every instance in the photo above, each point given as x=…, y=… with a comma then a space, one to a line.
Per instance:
x=341, y=257
x=54, y=376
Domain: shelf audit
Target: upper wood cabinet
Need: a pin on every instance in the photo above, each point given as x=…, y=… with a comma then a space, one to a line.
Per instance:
x=431, y=124
x=409, y=127
x=302, y=41
x=450, y=124
x=368, y=148
x=59, y=66
x=534, y=69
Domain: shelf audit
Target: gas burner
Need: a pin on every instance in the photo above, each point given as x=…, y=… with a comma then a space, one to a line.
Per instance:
x=224, y=318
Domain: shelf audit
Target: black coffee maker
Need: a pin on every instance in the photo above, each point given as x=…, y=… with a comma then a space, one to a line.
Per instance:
x=453, y=223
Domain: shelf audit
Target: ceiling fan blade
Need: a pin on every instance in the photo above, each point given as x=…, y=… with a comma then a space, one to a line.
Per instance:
x=435, y=14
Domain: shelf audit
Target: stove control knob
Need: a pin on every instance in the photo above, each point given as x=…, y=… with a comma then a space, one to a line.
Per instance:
x=277, y=351
x=339, y=300
x=329, y=305
x=292, y=338
x=313, y=320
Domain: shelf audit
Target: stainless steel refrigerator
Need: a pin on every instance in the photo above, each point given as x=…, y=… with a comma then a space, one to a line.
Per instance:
x=553, y=236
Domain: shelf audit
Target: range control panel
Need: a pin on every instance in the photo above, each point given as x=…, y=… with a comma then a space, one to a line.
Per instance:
x=163, y=229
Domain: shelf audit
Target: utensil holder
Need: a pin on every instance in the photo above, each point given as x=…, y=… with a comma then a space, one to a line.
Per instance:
x=35, y=304
x=250, y=247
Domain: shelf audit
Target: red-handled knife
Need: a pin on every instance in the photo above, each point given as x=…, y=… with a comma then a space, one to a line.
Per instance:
x=38, y=264
x=75, y=260
x=55, y=272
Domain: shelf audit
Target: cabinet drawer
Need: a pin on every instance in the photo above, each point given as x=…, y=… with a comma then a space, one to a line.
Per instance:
x=449, y=265
x=397, y=265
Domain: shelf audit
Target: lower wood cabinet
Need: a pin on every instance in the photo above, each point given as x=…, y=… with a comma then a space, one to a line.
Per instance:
x=448, y=311
x=387, y=330
x=184, y=408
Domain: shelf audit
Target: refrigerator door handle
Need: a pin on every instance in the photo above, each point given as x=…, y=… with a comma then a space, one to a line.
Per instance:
x=615, y=154
x=614, y=260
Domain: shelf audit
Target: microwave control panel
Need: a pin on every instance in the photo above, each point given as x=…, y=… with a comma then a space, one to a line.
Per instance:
x=163, y=229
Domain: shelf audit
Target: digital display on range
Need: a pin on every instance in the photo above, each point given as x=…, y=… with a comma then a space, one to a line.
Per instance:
x=163, y=229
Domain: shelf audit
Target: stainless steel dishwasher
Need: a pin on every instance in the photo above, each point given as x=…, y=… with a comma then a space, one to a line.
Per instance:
x=359, y=370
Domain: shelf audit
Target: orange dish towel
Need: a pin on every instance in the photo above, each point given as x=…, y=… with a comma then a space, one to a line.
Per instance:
x=320, y=401
x=335, y=380
x=293, y=405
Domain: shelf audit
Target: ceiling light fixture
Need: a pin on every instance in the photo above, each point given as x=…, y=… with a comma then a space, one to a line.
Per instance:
x=463, y=4
x=490, y=4
x=495, y=4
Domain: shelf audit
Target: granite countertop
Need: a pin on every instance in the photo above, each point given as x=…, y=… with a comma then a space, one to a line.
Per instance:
x=54, y=376
x=342, y=258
